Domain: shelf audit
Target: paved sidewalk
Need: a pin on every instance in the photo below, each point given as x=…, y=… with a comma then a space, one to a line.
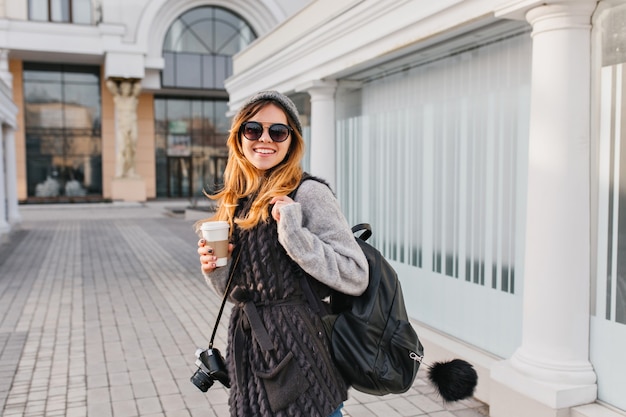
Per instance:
x=102, y=307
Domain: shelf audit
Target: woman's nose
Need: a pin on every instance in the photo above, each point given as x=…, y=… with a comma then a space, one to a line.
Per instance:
x=265, y=136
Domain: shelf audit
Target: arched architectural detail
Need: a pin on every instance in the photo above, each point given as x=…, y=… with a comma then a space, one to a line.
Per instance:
x=160, y=14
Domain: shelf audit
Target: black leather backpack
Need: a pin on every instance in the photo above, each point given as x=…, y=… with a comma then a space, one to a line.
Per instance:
x=372, y=341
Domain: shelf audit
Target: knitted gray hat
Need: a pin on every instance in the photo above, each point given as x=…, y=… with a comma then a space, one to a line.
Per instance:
x=284, y=101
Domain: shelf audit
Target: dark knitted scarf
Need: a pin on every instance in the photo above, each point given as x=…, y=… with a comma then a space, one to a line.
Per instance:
x=295, y=376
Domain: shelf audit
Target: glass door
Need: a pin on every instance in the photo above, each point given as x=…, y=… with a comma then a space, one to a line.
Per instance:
x=179, y=177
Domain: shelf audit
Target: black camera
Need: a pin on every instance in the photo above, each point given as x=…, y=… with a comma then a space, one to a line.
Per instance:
x=211, y=367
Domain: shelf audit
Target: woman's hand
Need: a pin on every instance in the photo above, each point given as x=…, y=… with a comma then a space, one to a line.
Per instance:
x=207, y=257
x=278, y=203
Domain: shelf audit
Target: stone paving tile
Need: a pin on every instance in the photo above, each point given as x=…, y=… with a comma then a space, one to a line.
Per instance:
x=102, y=308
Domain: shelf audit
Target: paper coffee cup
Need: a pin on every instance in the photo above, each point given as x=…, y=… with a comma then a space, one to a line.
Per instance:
x=216, y=235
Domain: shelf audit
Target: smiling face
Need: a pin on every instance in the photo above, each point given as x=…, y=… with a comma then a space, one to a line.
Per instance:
x=264, y=153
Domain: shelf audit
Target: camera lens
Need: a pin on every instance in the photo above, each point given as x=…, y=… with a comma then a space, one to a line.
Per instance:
x=202, y=380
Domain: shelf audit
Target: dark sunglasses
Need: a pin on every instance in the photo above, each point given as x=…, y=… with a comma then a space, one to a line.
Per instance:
x=254, y=130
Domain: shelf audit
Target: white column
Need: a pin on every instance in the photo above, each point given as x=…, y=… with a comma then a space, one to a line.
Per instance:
x=552, y=366
x=11, y=176
x=4, y=225
x=323, y=146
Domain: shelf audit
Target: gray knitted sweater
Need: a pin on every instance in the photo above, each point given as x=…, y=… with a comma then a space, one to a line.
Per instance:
x=316, y=235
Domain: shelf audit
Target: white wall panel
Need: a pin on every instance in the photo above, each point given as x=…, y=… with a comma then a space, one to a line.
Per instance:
x=440, y=148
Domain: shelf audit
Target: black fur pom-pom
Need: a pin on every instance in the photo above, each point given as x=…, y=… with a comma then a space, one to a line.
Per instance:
x=455, y=380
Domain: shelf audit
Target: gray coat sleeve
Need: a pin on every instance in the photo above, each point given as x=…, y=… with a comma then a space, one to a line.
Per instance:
x=316, y=235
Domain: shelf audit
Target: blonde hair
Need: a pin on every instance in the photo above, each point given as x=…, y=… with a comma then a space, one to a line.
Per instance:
x=242, y=179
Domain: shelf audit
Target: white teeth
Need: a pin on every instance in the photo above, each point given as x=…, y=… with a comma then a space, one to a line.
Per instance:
x=264, y=151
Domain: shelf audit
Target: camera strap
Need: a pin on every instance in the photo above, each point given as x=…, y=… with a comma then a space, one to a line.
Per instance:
x=219, y=314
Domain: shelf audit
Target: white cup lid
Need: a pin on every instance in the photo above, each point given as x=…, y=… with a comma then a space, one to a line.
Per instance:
x=214, y=225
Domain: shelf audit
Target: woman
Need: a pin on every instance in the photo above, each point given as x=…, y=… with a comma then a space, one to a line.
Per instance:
x=285, y=233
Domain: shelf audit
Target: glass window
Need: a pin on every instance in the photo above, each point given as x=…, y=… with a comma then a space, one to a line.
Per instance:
x=472, y=133
x=62, y=11
x=187, y=74
x=81, y=11
x=199, y=45
x=53, y=76
x=611, y=177
x=40, y=108
x=38, y=10
x=221, y=123
x=62, y=125
x=190, y=133
x=167, y=75
x=608, y=147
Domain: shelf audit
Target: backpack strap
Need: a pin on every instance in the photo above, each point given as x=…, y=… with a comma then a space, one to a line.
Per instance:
x=362, y=227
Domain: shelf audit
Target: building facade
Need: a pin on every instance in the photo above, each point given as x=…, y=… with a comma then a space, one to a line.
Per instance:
x=105, y=101
x=480, y=138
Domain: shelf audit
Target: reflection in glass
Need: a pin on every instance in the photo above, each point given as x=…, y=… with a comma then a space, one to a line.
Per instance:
x=54, y=76
x=191, y=145
x=62, y=125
